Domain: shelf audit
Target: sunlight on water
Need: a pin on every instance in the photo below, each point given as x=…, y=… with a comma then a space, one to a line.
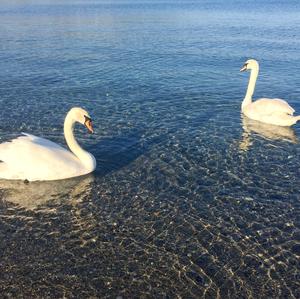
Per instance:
x=189, y=198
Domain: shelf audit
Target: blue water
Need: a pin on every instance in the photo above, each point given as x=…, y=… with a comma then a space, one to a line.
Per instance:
x=189, y=199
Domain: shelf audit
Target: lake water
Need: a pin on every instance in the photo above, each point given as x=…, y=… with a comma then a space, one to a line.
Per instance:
x=189, y=199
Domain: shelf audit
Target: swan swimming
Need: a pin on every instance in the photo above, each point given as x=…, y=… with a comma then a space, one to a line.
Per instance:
x=272, y=111
x=33, y=158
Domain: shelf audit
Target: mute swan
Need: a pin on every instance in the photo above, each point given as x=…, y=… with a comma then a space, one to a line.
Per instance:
x=272, y=111
x=37, y=159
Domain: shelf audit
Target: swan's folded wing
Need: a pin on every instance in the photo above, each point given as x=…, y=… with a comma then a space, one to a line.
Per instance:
x=33, y=157
x=38, y=141
x=269, y=106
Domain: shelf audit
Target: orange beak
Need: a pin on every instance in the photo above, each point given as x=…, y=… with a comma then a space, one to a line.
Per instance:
x=89, y=125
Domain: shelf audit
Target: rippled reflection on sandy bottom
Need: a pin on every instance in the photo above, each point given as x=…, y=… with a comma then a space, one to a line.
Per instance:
x=164, y=226
x=188, y=200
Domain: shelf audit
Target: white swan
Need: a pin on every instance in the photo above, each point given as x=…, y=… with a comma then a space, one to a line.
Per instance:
x=272, y=111
x=37, y=159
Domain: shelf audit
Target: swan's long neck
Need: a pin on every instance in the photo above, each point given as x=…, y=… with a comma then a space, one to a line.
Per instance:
x=85, y=157
x=251, y=86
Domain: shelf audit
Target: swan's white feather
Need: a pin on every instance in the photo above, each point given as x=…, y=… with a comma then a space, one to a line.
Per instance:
x=35, y=158
x=270, y=106
x=271, y=111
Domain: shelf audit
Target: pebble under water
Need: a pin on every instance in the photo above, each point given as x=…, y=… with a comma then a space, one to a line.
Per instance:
x=189, y=199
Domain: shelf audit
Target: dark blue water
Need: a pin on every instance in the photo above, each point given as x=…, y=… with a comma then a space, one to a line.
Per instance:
x=189, y=199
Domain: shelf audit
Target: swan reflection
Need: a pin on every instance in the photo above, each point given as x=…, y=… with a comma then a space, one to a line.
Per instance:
x=267, y=131
x=35, y=194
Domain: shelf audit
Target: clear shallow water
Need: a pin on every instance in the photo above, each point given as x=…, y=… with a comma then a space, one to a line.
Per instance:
x=189, y=199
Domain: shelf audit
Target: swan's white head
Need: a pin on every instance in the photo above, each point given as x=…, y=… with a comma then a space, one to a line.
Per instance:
x=82, y=116
x=249, y=65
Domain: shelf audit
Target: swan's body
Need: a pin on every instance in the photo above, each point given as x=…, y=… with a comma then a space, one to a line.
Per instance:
x=32, y=158
x=272, y=111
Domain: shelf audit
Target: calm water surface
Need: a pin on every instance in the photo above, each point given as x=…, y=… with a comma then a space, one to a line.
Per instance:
x=189, y=199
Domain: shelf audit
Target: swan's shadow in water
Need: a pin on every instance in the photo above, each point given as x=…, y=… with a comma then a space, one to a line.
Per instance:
x=264, y=130
x=35, y=194
x=111, y=153
x=114, y=153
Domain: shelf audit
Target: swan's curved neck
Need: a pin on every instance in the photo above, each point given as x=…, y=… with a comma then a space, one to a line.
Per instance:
x=85, y=157
x=251, y=86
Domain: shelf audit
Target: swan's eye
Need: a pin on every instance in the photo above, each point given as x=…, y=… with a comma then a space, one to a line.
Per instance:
x=244, y=68
x=88, y=124
x=86, y=118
